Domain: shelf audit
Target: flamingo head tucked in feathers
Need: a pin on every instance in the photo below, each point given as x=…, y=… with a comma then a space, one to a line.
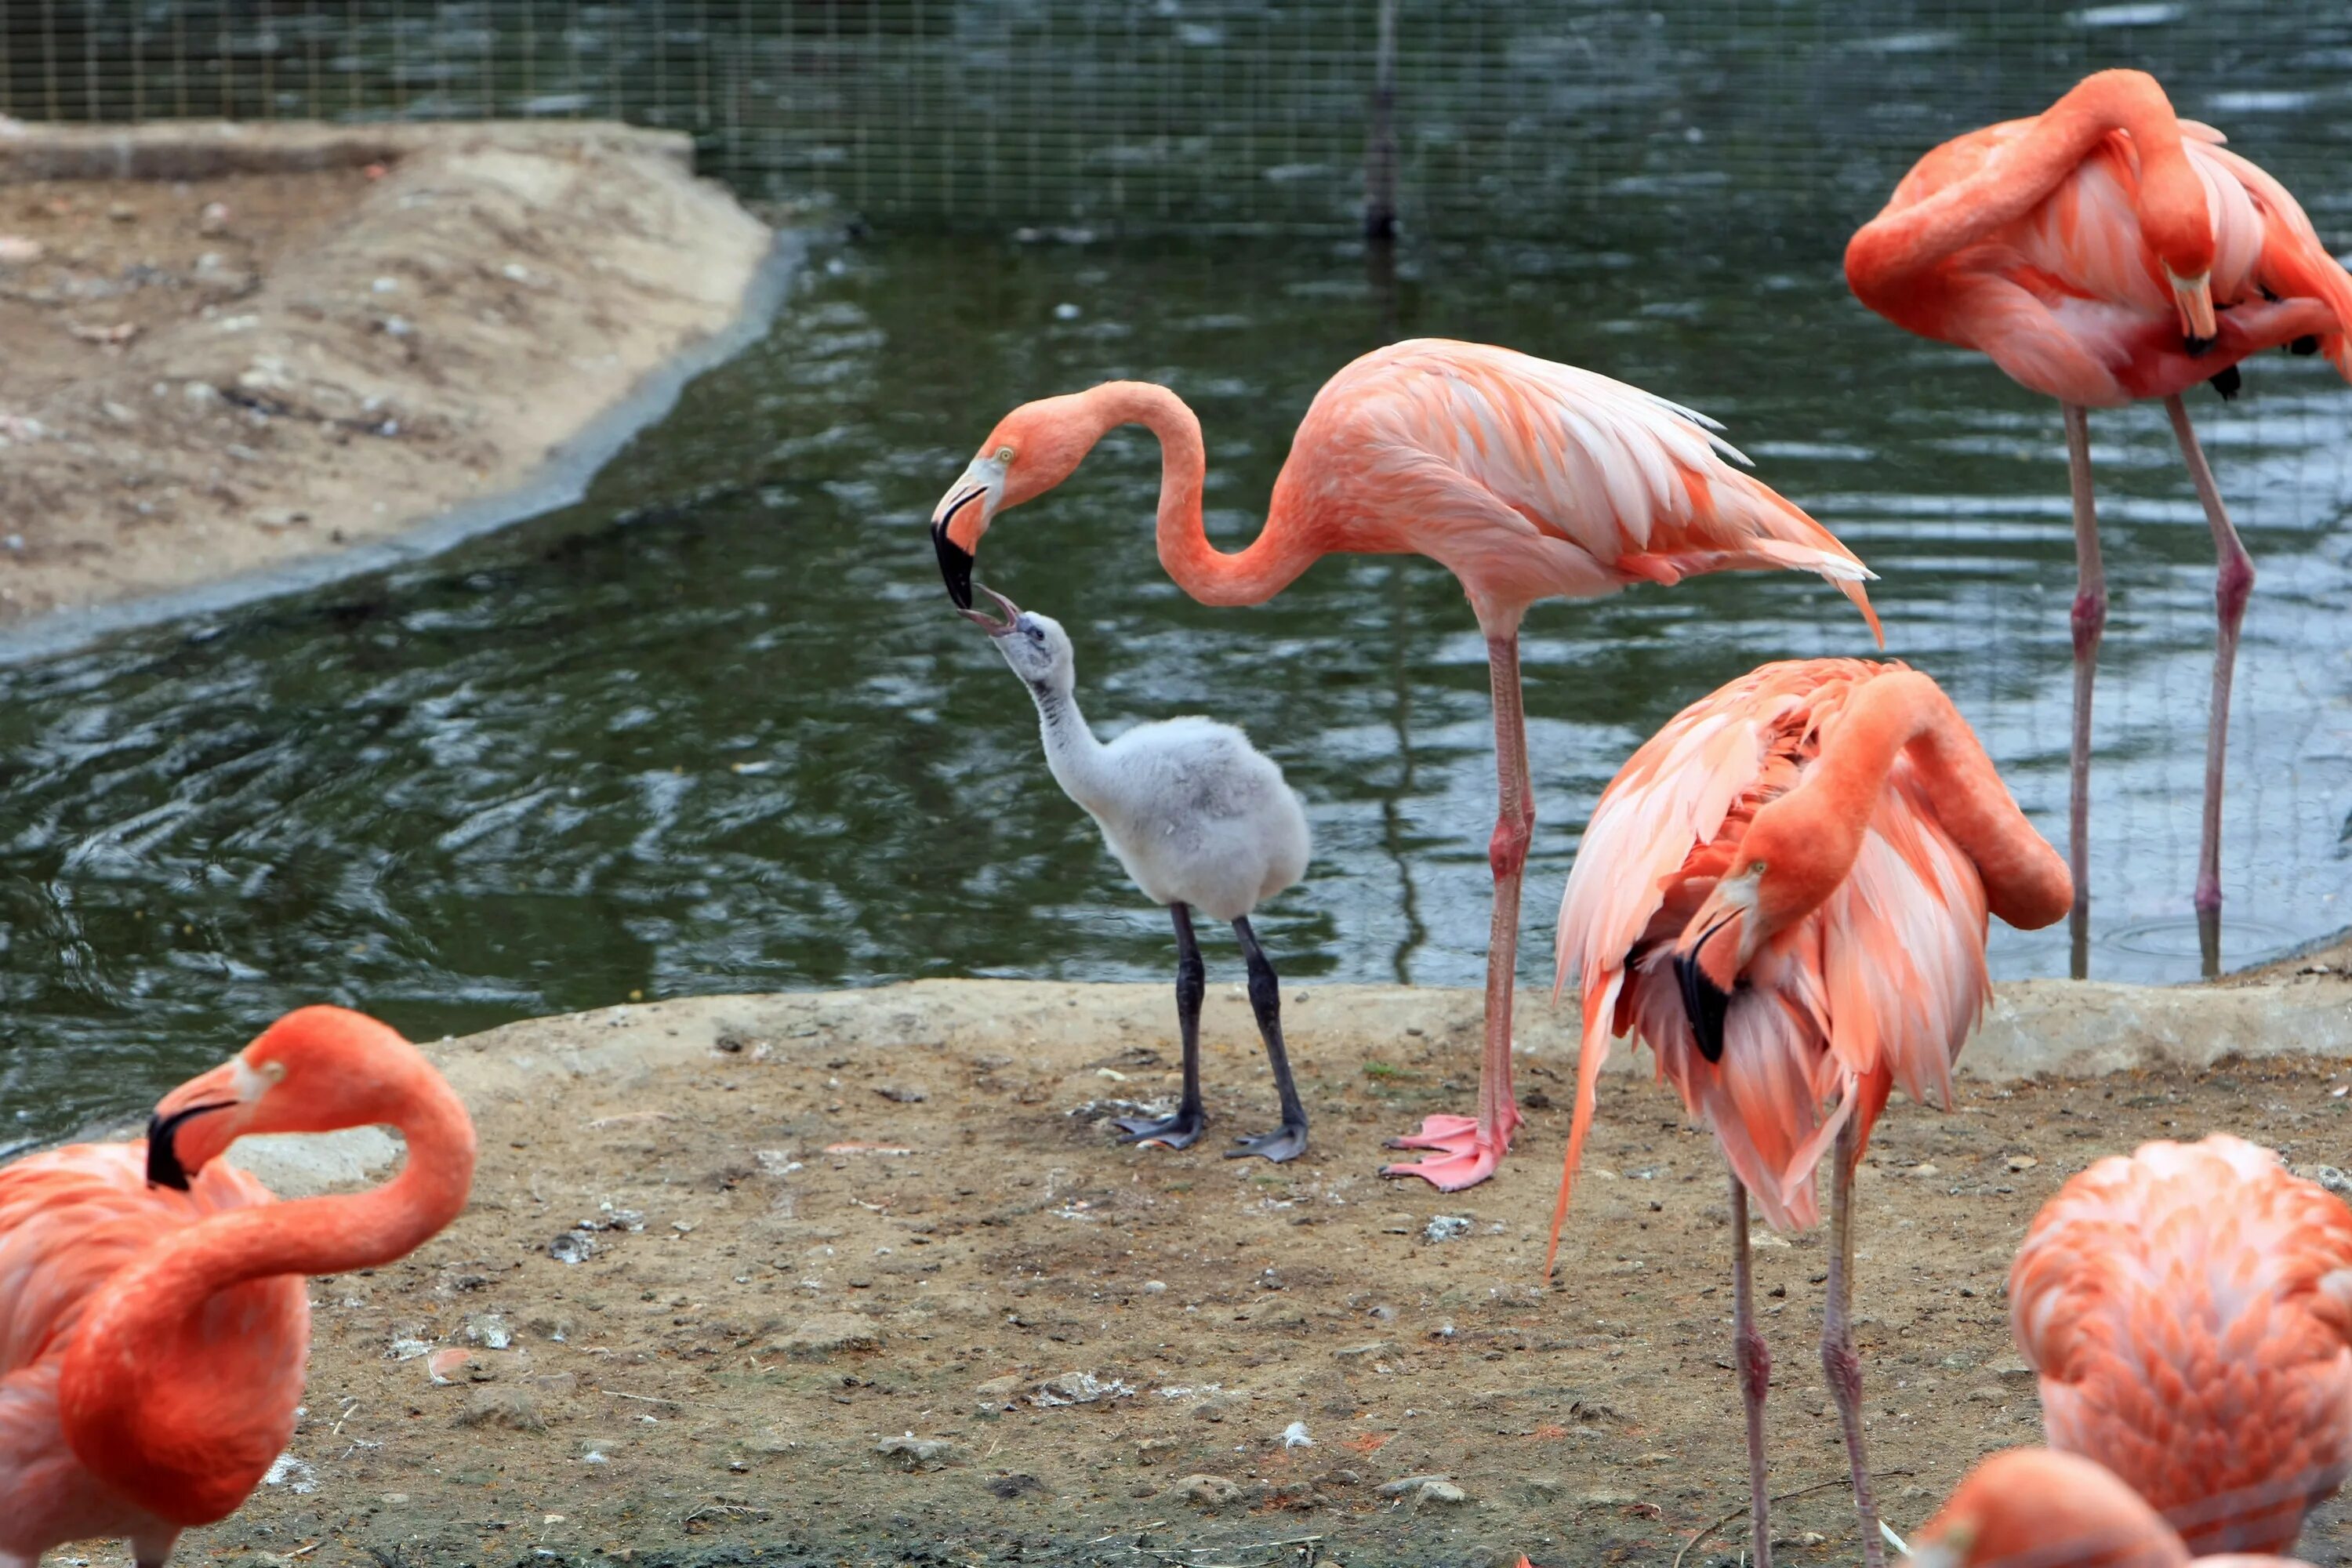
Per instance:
x=2179, y=227
x=315, y=1070
x=1031, y=449
x=1786, y=867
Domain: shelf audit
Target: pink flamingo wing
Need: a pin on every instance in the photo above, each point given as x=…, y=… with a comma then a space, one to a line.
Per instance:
x=1643, y=487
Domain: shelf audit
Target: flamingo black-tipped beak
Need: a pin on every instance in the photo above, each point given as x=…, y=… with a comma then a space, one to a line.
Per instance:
x=164, y=1167
x=955, y=565
x=1703, y=1003
x=988, y=623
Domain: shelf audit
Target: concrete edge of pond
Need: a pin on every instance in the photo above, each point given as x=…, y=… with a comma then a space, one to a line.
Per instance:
x=561, y=475
x=2033, y=1028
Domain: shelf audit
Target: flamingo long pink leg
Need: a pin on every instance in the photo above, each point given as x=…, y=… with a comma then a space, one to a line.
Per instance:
x=1469, y=1148
x=2090, y=618
x=1754, y=1362
x=2233, y=580
x=1841, y=1366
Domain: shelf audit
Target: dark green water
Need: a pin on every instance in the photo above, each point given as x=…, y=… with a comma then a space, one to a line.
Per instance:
x=714, y=728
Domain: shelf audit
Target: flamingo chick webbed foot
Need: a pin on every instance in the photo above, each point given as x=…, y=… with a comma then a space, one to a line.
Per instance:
x=1282, y=1145
x=1181, y=1131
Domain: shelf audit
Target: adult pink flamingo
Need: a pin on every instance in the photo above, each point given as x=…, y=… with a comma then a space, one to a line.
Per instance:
x=2031, y=1508
x=1783, y=892
x=2103, y=252
x=153, y=1319
x=1526, y=479
x=2189, y=1310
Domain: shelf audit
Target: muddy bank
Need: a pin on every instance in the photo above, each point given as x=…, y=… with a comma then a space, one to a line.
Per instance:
x=235, y=349
x=862, y=1278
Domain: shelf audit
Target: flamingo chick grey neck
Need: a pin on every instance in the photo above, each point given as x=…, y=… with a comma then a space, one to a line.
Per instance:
x=1202, y=820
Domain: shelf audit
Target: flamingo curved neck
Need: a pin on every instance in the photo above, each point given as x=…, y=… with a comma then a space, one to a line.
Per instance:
x=1072, y=752
x=2016, y=179
x=2026, y=883
x=140, y=1400
x=1270, y=563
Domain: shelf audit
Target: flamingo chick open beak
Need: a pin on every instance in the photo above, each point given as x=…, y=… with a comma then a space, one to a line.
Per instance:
x=982, y=618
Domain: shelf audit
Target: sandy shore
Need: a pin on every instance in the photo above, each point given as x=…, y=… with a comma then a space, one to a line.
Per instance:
x=237, y=348
x=862, y=1277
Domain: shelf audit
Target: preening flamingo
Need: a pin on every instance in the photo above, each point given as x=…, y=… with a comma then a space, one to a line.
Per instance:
x=2031, y=1508
x=1202, y=820
x=153, y=1319
x=1783, y=893
x=2189, y=1310
x=2103, y=252
x=1526, y=479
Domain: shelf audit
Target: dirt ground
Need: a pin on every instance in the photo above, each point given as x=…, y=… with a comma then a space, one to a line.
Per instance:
x=863, y=1278
x=275, y=341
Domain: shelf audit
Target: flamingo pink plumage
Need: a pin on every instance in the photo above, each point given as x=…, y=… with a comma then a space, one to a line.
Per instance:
x=1783, y=892
x=1527, y=479
x=2031, y=1508
x=2102, y=252
x=153, y=1320
x=2189, y=1310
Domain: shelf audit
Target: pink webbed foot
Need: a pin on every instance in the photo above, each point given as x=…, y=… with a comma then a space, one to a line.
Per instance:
x=1464, y=1157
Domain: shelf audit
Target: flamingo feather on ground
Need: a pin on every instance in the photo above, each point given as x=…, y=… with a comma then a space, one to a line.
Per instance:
x=1527, y=479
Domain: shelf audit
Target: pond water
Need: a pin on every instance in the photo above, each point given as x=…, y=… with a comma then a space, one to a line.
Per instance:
x=715, y=729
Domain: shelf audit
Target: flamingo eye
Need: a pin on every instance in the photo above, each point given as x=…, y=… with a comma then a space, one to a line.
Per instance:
x=1036, y=634
x=1005, y=454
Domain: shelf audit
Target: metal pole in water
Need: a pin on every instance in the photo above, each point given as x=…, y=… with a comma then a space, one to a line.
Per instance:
x=1381, y=153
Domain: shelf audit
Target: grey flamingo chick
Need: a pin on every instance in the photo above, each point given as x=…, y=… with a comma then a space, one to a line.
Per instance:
x=1203, y=821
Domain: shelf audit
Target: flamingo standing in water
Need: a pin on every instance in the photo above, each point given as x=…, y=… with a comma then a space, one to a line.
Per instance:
x=2189, y=1310
x=2103, y=252
x=1527, y=479
x=1783, y=892
x=2031, y=1508
x=153, y=1319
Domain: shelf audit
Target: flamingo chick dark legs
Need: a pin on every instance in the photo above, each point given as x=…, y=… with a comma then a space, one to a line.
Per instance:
x=2233, y=581
x=1179, y=1130
x=1471, y=1147
x=1288, y=1141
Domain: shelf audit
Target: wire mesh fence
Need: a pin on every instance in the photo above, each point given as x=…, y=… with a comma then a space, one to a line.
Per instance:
x=1526, y=118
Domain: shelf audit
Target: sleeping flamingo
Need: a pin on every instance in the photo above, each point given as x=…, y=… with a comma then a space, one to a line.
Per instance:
x=1527, y=479
x=1783, y=892
x=2031, y=1508
x=2189, y=1310
x=153, y=1319
x=2103, y=252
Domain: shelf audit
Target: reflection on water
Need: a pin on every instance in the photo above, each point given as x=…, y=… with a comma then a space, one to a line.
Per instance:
x=715, y=729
